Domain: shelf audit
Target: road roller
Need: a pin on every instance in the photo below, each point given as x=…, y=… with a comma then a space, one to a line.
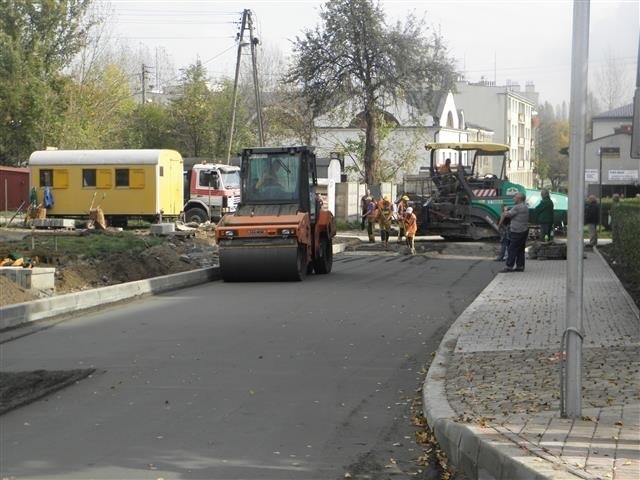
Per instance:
x=279, y=231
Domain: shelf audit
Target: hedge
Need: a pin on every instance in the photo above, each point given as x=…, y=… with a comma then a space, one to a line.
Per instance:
x=625, y=233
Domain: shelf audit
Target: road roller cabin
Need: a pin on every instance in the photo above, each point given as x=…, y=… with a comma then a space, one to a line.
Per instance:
x=125, y=184
x=279, y=231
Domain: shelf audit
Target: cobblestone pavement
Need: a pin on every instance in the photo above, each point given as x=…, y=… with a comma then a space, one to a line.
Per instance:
x=501, y=374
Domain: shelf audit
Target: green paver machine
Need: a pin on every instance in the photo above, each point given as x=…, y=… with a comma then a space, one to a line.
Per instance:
x=465, y=200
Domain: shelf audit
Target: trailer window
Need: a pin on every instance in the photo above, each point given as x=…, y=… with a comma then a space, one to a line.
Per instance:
x=46, y=178
x=88, y=177
x=122, y=177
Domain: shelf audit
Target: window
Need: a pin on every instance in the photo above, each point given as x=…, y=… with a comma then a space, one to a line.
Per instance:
x=122, y=177
x=274, y=178
x=88, y=177
x=206, y=179
x=46, y=178
x=520, y=158
x=450, y=120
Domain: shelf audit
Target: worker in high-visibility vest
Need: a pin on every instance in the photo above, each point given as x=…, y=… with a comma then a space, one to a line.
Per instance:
x=410, y=227
x=401, y=210
x=384, y=217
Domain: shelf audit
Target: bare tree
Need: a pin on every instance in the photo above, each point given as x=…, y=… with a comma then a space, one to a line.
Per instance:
x=613, y=82
x=355, y=57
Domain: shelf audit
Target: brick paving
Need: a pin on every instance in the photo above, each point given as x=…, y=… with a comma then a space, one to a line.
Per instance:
x=502, y=372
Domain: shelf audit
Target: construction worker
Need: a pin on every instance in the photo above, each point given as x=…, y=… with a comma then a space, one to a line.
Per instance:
x=445, y=167
x=410, y=227
x=401, y=209
x=364, y=206
x=384, y=217
x=371, y=218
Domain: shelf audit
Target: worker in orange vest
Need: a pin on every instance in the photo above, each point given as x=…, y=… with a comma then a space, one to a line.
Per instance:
x=401, y=210
x=410, y=227
x=384, y=217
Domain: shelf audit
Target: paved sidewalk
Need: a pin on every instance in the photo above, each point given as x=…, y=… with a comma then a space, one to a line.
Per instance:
x=492, y=392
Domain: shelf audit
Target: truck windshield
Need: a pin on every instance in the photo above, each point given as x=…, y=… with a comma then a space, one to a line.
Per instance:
x=230, y=179
x=273, y=178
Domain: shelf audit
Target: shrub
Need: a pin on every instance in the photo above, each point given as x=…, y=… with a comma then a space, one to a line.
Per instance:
x=625, y=219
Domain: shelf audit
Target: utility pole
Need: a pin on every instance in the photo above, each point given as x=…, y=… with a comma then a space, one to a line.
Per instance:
x=145, y=73
x=571, y=406
x=256, y=86
x=247, y=22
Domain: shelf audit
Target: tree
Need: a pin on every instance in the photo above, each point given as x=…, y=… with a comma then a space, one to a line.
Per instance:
x=191, y=112
x=553, y=137
x=98, y=110
x=37, y=40
x=149, y=126
x=355, y=56
x=614, y=85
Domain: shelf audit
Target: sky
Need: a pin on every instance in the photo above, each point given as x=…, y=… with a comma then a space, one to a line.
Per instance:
x=498, y=40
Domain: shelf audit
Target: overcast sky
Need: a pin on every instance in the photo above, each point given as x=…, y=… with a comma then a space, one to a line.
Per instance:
x=520, y=41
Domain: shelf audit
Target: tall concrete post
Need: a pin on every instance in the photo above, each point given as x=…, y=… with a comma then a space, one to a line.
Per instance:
x=575, y=242
x=234, y=103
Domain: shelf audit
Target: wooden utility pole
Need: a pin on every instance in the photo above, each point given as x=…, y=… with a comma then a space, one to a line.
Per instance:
x=247, y=22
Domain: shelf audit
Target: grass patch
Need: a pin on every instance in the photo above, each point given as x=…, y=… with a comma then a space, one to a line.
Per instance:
x=90, y=245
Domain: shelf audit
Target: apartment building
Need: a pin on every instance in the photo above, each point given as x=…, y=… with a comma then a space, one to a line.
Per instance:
x=509, y=112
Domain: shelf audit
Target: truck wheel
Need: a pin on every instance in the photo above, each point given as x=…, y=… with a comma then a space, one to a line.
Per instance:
x=324, y=262
x=197, y=215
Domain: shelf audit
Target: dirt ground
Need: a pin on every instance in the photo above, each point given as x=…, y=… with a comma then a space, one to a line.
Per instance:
x=178, y=253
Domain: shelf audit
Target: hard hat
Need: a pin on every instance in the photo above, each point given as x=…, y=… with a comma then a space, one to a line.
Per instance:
x=405, y=198
x=409, y=210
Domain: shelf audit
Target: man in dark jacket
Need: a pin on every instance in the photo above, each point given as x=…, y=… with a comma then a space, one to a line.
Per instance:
x=544, y=215
x=518, y=217
x=592, y=218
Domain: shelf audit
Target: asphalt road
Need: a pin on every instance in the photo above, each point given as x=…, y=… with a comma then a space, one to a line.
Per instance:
x=309, y=380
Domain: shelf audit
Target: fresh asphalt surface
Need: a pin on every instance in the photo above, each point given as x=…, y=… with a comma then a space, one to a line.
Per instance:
x=306, y=380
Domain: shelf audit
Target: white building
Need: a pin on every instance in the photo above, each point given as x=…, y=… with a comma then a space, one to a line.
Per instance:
x=509, y=113
x=404, y=147
x=609, y=167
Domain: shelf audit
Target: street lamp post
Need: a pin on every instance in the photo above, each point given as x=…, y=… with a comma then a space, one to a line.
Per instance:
x=605, y=152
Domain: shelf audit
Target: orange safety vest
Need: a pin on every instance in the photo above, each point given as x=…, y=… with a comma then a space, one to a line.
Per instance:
x=410, y=224
x=385, y=214
x=402, y=206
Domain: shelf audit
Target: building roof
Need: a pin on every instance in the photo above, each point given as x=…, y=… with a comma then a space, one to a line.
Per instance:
x=626, y=111
x=479, y=127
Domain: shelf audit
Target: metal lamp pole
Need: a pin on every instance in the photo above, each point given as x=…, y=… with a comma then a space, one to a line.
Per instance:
x=600, y=193
x=572, y=401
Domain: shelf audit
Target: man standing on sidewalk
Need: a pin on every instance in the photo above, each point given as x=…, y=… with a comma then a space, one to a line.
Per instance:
x=592, y=219
x=519, y=231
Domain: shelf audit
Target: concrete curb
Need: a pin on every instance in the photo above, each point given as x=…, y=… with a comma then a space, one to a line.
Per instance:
x=21, y=313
